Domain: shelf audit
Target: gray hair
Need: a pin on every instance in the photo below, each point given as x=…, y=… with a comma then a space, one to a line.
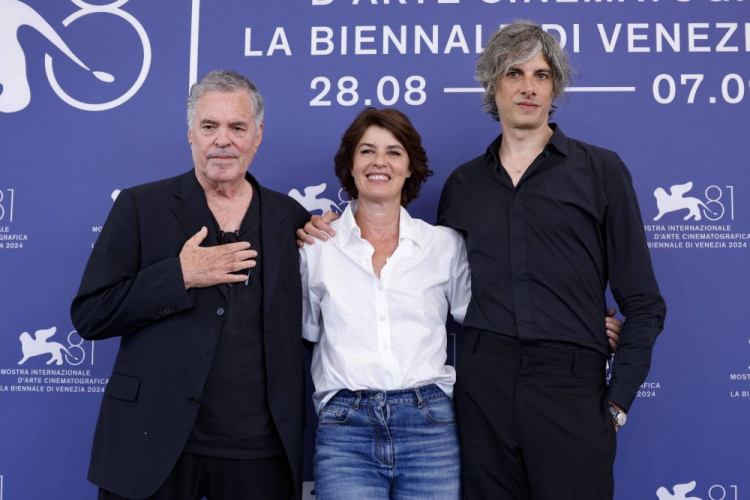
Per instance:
x=225, y=81
x=514, y=44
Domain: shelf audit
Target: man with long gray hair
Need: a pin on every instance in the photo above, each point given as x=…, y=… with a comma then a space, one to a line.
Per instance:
x=549, y=221
x=198, y=275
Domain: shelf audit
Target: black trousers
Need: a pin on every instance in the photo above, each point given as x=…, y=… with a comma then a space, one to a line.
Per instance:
x=197, y=476
x=533, y=422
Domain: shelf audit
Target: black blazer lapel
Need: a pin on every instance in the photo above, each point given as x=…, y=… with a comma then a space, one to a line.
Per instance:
x=275, y=235
x=191, y=209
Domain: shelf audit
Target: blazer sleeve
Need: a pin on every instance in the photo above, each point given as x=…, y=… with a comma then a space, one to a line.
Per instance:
x=117, y=296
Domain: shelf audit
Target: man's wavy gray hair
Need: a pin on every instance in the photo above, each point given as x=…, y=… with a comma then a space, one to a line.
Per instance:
x=225, y=81
x=514, y=44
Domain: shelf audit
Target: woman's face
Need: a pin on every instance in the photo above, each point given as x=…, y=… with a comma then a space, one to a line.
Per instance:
x=380, y=166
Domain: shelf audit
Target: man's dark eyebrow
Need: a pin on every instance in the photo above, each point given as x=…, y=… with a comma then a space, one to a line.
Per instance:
x=538, y=70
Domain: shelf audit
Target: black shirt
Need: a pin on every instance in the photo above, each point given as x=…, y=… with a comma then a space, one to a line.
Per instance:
x=234, y=420
x=542, y=252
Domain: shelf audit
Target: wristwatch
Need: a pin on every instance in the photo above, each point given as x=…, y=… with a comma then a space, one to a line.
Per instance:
x=620, y=417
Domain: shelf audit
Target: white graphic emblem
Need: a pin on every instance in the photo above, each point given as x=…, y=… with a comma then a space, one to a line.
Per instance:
x=16, y=93
x=679, y=492
x=311, y=202
x=38, y=346
x=674, y=201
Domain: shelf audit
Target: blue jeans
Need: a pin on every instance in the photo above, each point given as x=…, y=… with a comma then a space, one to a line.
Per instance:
x=388, y=445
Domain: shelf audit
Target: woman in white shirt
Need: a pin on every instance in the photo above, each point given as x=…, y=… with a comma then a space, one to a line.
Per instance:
x=376, y=297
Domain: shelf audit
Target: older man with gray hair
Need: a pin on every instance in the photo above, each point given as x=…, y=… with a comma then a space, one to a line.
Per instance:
x=198, y=275
x=549, y=222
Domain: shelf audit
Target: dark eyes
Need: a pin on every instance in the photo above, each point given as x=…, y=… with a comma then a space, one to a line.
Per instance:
x=394, y=153
x=212, y=127
x=541, y=76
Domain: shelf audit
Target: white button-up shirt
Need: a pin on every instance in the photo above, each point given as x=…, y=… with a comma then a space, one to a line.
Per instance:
x=386, y=333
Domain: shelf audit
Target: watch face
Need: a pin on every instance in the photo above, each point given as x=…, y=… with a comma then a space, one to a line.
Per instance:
x=621, y=418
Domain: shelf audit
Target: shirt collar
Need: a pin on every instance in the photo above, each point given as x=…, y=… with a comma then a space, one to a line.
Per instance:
x=408, y=228
x=558, y=141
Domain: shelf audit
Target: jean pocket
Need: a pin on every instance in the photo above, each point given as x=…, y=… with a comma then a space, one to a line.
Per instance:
x=440, y=411
x=334, y=414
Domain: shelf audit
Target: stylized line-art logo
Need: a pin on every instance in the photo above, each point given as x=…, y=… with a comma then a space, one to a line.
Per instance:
x=38, y=346
x=679, y=492
x=16, y=93
x=311, y=202
x=674, y=201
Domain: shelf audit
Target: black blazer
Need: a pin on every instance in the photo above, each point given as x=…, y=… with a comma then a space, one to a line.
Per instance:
x=133, y=289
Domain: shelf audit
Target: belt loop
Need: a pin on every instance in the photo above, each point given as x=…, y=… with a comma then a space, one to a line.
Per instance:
x=475, y=342
x=356, y=401
x=575, y=363
x=420, y=403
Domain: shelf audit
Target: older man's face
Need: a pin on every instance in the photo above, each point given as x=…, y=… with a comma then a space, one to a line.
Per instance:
x=222, y=136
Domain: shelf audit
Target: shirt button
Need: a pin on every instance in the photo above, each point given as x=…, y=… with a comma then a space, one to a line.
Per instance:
x=384, y=347
x=194, y=400
x=380, y=287
x=220, y=311
x=382, y=318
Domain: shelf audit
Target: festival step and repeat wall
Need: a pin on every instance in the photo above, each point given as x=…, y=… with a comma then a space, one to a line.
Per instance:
x=92, y=101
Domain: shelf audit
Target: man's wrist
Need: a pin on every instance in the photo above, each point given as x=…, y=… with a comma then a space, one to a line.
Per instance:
x=619, y=416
